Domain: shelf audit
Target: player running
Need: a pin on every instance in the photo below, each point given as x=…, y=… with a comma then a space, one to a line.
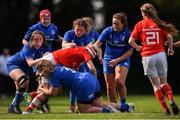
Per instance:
x=152, y=32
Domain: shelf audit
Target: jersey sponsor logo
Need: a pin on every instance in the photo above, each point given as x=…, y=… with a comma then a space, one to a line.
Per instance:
x=151, y=29
x=116, y=45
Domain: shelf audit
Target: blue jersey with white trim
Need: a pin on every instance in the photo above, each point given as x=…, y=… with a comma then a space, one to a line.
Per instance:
x=50, y=32
x=68, y=78
x=26, y=52
x=70, y=37
x=116, y=42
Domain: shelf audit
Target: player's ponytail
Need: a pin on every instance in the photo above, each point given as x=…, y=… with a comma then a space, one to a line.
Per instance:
x=149, y=11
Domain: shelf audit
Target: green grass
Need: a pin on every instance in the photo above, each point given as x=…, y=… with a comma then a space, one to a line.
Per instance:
x=146, y=107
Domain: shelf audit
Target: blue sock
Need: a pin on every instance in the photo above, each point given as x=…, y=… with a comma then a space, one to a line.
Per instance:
x=105, y=110
x=123, y=100
x=124, y=107
x=17, y=99
x=72, y=98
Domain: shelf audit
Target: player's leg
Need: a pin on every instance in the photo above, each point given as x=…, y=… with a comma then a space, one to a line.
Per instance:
x=72, y=108
x=109, y=76
x=111, y=87
x=44, y=107
x=162, y=72
x=121, y=74
x=168, y=91
x=159, y=94
x=35, y=103
x=21, y=82
x=150, y=69
x=94, y=106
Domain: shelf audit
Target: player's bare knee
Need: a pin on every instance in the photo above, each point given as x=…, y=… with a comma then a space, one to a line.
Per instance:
x=119, y=82
x=155, y=82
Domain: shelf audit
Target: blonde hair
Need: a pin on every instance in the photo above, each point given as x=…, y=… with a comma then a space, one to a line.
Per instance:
x=80, y=22
x=89, y=20
x=44, y=68
x=149, y=11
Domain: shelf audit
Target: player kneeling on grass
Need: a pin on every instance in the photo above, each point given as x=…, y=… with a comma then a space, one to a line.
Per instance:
x=78, y=55
x=84, y=85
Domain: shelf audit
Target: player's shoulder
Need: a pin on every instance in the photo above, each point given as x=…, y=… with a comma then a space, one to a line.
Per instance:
x=108, y=29
x=70, y=32
x=34, y=26
x=94, y=31
x=52, y=25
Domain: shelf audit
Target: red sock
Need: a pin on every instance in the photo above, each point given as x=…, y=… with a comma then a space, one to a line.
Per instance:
x=30, y=107
x=33, y=94
x=160, y=98
x=168, y=91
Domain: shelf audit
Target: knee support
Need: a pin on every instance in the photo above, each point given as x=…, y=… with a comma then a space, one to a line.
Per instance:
x=22, y=86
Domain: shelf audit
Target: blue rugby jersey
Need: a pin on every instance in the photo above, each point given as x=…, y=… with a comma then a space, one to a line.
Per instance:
x=26, y=52
x=73, y=80
x=116, y=42
x=70, y=37
x=93, y=36
x=50, y=32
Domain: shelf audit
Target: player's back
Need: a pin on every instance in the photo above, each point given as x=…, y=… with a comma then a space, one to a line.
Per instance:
x=64, y=77
x=73, y=80
x=71, y=57
x=152, y=37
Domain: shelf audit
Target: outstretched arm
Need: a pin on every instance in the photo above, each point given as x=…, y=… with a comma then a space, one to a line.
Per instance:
x=176, y=44
x=134, y=44
x=65, y=44
x=98, y=45
x=32, y=62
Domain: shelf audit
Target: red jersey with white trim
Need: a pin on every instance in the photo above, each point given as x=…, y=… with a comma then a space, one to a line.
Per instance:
x=72, y=57
x=152, y=37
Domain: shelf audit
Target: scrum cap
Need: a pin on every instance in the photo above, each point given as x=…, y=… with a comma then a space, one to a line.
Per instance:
x=44, y=13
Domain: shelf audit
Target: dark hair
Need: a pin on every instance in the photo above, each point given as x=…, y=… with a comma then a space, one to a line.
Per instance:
x=149, y=10
x=122, y=16
x=33, y=35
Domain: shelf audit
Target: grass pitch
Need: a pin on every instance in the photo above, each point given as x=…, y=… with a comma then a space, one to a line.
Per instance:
x=146, y=107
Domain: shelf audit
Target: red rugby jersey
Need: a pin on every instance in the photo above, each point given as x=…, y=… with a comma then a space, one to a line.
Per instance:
x=72, y=57
x=151, y=36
